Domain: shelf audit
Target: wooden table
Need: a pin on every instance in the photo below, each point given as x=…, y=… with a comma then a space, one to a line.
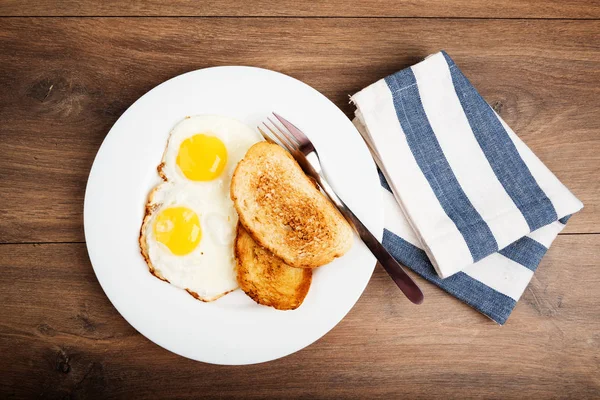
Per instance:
x=68, y=69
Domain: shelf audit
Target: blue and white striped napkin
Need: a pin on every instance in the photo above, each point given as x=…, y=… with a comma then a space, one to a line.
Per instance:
x=468, y=205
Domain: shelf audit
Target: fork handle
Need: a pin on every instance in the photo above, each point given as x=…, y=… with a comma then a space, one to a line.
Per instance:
x=410, y=289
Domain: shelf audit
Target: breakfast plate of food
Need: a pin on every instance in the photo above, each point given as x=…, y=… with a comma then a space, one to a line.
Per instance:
x=212, y=242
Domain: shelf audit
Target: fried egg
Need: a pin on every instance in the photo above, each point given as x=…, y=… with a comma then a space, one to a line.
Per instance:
x=188, y=231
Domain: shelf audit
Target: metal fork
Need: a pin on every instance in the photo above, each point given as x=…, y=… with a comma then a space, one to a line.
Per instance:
x=294, y=141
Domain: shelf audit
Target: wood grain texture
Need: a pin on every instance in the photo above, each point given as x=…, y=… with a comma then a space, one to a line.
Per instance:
x=66, y=81
x=61, y=337
x=362, y=8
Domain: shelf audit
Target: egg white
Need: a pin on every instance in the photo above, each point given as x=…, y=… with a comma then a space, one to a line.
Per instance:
x=236, y=136
x=208, y=272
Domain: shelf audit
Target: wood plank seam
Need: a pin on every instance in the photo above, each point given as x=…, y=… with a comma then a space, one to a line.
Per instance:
x=558, y=19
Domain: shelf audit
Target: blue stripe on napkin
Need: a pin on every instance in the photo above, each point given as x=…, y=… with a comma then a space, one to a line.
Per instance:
x=497, y=306
x=563, y=220
x=526, y=252
x=435, y=167
x=501, y=153
x=486, y=300
x=383, y=182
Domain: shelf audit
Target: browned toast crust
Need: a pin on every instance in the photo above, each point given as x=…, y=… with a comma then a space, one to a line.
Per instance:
x=266, y=278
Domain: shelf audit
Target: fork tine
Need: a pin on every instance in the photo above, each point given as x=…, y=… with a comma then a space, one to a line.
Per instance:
x=271, y=138
x=285, y=132
x=296, y=133
x=282, y=138
x=267, y=137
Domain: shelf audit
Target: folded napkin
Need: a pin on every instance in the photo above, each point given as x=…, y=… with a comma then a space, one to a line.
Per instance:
x=468, y=205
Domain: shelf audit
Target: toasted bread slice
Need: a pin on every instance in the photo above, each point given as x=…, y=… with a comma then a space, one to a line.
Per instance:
x=266, y=278
x=284, y=212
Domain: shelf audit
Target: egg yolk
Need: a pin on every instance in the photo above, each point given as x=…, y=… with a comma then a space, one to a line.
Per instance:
x=178, y=228
x=202, y=157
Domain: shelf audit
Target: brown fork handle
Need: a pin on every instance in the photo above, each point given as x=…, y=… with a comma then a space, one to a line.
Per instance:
x=410, y=289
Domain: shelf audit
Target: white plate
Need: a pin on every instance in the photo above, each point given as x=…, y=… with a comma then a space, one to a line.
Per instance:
x=233, y=329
